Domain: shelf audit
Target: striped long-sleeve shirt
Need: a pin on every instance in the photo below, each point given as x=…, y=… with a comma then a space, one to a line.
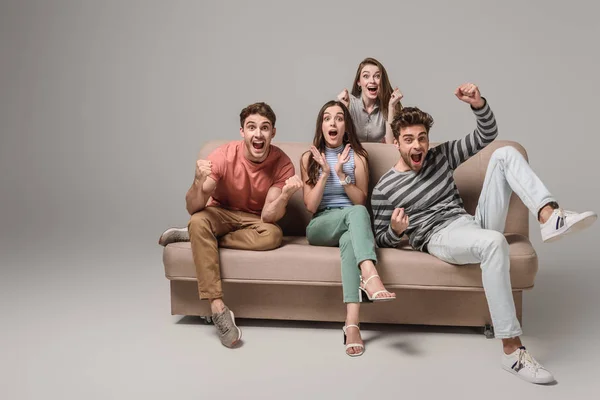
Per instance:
x=429, y=197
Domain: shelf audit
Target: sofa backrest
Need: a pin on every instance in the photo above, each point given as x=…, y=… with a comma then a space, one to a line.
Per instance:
x=469, y=180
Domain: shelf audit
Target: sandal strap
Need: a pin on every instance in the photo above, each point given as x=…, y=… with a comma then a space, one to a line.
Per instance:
x=360, y=346
x=374, y=295
x=355, y=345
x=345, y=328
x=368, y=279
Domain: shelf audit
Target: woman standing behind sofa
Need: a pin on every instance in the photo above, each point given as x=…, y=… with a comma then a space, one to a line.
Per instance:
x=372, y=102
x=335, y=177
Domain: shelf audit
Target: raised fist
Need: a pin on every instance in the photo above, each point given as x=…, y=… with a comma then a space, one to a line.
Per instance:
x=292, y=185
x=469, y=93
x=203, y=170
x=344, y=97
x=399, y=221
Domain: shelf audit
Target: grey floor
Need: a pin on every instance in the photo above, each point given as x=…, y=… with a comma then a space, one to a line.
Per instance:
x=101, y=329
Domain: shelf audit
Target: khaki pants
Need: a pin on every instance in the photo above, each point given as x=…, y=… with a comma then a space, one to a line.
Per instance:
x=216, y=226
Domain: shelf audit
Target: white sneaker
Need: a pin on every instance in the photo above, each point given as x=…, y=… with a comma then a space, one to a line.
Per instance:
x=562, y=222
x=173, y=235
x=522, y=364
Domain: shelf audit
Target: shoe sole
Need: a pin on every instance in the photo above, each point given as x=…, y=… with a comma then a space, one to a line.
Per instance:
x=364, y=297
x=235, y=342
x=523, y=377
x=382, y=299
x=355, y=354
x=576, y=227
x=165, y=239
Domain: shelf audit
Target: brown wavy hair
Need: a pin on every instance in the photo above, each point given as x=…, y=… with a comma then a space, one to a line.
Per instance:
x=410, y=116
x=385, y=91
x=262, y=109
x=319, y=140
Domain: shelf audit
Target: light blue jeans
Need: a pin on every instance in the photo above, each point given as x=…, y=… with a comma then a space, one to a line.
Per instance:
x=480, y=239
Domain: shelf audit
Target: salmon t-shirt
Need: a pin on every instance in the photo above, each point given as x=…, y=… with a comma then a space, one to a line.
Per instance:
x=242, y=185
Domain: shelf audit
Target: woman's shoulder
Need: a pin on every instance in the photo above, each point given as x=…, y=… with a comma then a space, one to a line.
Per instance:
x=305, y=156
x=358, y=157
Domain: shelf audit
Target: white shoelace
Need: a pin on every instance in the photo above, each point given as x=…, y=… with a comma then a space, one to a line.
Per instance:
x=526, y=359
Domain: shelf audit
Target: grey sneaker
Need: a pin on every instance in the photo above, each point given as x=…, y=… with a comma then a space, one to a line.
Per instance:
x=229, y=333
x=173, y=235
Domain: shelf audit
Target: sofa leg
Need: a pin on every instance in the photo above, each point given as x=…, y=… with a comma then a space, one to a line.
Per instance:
x=488, y=331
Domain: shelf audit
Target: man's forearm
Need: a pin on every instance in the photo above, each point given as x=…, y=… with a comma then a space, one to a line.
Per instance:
x=275, y=210
x=195, y=199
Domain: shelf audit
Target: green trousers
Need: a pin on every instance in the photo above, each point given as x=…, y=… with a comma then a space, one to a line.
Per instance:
x=350, y=229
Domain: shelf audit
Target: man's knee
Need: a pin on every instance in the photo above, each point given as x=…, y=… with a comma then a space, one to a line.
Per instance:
x=505, y=153
x=201, y=221
x=495, y=244
x=270, y=236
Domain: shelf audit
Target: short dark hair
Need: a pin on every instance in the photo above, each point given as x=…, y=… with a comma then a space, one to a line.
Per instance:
x=410, y=116
x=258, y=108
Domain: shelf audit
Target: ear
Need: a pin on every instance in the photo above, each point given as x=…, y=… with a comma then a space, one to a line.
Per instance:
x=274, y=132
x=242, y=132
x=396, y=145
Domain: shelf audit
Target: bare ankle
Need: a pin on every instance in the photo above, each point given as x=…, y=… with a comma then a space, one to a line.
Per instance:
x=546, y=212
x=217, y=306
x=367, y=268
x=352, y=313
x=511, y=344
x=351, y=321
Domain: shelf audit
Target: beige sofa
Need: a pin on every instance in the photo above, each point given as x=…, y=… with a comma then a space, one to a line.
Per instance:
x=302, y=282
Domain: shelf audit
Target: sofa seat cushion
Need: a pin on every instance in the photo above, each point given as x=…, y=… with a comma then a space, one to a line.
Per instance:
x=296, y=262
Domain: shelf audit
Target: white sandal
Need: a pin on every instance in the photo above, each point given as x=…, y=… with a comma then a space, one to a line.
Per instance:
x=363, y=289
x=350, y=345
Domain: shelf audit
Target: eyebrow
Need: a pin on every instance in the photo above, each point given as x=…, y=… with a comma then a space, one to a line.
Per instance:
x=338, y=113
x=262, y=123
x=411, y=135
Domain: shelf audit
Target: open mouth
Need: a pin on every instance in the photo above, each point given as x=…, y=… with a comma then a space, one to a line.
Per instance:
x=417, y=158
x=332, y=133
x=372, y=89
x=258, y=145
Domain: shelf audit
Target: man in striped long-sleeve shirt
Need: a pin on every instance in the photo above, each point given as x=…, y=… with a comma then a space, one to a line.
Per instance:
x=418, y=197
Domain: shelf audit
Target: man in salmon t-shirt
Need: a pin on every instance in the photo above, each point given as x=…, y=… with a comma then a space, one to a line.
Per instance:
x=238, y=194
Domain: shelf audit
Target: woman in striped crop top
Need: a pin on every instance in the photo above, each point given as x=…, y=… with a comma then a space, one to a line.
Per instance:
x=335, y=176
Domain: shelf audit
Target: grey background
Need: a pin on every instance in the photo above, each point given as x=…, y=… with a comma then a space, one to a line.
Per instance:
x=104, y=106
